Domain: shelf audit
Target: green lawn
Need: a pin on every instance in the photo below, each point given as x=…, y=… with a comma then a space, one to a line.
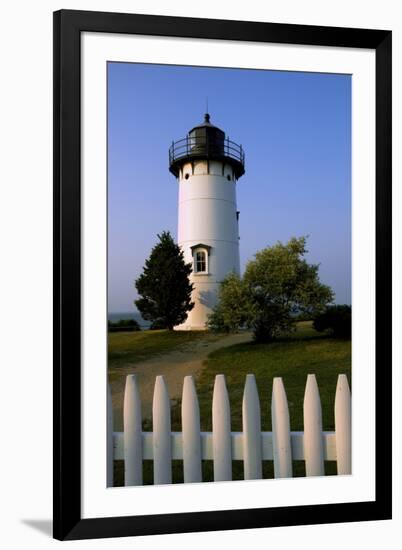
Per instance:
x=292, y=358
x=134, y=347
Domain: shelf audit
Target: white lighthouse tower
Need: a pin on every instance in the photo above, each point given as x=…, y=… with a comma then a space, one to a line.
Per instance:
x=207, y=166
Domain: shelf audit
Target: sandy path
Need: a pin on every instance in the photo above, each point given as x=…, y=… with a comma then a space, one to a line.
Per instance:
x=174, y=366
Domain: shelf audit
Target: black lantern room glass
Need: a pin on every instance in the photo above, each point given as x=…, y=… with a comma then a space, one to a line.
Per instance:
x=206, y=142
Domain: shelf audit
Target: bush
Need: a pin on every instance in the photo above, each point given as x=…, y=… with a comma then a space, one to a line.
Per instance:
x=277, y=285
x=124, y=325
x=216, y=320
x=230, y=314
x=337, y=320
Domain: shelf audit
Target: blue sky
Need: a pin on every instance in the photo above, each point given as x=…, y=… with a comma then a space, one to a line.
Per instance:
x=296, y=132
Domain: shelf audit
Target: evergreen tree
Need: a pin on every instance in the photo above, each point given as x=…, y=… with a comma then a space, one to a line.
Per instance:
x=164, y=285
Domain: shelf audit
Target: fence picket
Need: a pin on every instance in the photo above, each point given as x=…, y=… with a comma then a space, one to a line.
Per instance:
x=251, y=430
x=132, y=433
x=343, y=426
x=222, y=445
x=190, y=418
x=162, y=436
x=281, y=442
x=109, y=439
x=313, y=438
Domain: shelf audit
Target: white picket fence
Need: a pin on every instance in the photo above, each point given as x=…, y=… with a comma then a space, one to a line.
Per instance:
x=252, y=446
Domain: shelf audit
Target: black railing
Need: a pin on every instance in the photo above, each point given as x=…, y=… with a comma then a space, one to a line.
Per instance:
x=203, y=146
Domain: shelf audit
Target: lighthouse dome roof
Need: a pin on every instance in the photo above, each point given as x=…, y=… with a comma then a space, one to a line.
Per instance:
x=206, y=123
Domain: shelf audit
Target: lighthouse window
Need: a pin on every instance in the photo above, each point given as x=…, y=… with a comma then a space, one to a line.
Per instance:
x=229, y=177
x=187, y=176
x=200, y=261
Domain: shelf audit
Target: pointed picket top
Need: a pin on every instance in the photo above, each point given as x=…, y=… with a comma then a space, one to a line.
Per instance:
x=190, y=415
x=161, y=433
x=281, y=443
x=132, y=432
x=343, y=426
x=222, y=443
x=109, y=438
x=251, y=430
x=313, y=438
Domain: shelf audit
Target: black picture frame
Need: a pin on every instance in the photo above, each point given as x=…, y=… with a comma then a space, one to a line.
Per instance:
x=68, y=26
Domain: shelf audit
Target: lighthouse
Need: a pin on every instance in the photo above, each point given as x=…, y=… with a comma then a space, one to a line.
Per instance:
x=207, y=165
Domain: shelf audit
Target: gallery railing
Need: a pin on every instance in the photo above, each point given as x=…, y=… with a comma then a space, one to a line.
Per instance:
x=200, y=146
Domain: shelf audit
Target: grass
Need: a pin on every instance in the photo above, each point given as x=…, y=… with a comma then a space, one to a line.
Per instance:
x=293, y=358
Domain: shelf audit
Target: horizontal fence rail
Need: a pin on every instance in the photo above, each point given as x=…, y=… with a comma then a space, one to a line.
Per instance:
x=236, y=446
x=252, y=446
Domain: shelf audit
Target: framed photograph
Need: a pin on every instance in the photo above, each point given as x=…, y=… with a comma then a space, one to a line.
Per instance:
x=222, y=274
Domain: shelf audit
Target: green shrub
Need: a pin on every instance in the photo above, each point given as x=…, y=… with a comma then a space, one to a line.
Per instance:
x=335, y=319
x=277, y=284
x=123, y=325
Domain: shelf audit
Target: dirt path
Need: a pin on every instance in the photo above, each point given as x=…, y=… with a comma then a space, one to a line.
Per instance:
x=173, y=366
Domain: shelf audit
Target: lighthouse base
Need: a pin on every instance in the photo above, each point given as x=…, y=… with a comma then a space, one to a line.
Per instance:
x=205, y=297
x=190, y=327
